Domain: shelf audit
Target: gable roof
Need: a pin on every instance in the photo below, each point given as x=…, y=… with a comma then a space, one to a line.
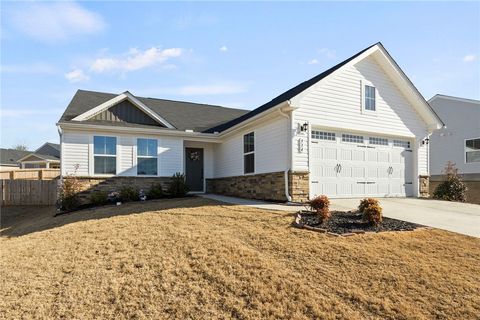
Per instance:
x=46, y=157
x=181, y=115
x=447, y=97
x=298, y=89
x=9, y=157
x=48, y=148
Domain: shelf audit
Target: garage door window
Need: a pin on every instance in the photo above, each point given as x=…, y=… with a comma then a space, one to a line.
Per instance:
x=472, y=150
x=321, y=135
x=401, y=144
x=352, y=138
x=378, y=141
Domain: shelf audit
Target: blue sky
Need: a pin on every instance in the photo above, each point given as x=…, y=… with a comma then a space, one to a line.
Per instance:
x=231, y=54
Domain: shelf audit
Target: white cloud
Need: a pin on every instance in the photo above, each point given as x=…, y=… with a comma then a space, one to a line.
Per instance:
x=469, y=58
x=35, y=68
x=135, y=60
x=313, y=61
x=56, y=21
x=329, y=53
x=224, y=49
x=76, y=75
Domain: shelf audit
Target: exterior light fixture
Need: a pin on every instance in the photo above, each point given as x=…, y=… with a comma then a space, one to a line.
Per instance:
x=304, y=127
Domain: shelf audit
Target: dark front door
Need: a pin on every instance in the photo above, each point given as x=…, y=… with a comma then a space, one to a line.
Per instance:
x=194, y=168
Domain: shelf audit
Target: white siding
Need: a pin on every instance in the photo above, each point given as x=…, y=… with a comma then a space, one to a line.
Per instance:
x=336, y=102
x=270, y=150
x=77, y=148
x=75, y=153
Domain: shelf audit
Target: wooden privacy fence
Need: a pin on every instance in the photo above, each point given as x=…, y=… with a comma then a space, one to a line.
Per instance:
x=31, y=174
x=28, y=192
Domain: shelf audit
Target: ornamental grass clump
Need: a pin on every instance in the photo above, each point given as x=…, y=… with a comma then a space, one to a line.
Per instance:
x=321, y=205
x=453, y=188
x=371, y=210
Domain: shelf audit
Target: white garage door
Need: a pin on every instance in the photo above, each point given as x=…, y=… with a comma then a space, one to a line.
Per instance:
x=354, y=165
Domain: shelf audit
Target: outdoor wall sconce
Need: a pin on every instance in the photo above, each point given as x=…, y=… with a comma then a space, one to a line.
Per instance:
x=304, y=127
x=425, y=141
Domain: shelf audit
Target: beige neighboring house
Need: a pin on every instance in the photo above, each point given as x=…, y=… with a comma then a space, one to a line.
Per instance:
x=9, y=159
x=47, y=156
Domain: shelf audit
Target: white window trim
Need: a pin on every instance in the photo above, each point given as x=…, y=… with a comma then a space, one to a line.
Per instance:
x=465, y=151
x=92, y=156
x=136, y=156
x=251, y=152
x=363, y=86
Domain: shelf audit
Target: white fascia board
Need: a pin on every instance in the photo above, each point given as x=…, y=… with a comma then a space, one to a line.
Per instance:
x=121, y=97
x=32, y=154
x=194, y=136
x=442, y=96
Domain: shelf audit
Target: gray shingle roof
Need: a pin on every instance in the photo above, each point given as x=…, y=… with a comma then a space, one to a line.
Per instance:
x=11, y=156
x=182, y=115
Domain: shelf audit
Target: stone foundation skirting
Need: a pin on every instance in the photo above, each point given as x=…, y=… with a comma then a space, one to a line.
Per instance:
x=471, y=180
x=90, y=185
x=263, y=186
x=298, y=185
x=424, y=186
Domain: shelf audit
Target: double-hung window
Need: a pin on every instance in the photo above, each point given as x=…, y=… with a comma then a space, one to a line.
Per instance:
x=370, y=98
x=147, y=156
x=472, y=150
x=249, y=153
x=105, y=155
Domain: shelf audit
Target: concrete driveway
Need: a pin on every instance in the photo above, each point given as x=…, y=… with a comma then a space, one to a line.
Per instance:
x=453, y=216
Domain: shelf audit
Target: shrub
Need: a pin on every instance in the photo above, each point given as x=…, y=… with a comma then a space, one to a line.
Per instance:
x=373, y=214
x=99, y=198
x=178, y=186
x=453, y=188
x=128, y=194
x=365, y=203
x=321, y=205
x=68, y=194
x=156, y=191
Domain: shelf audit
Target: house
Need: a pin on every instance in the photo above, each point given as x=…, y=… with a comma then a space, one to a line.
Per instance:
x=47, y=156
x=358, y=129
x=9, y=158
x=458, y=142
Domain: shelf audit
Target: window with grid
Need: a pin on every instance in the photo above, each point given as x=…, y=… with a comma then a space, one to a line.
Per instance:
x=378, y=141
x=147, y=156
x=401, y=144
x=105, y=155
x=352, y=138
x=321, y=135
x=249, y=153
x=472, y=150
x=370, y=98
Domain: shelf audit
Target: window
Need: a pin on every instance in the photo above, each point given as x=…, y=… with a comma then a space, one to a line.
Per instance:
x=352, y=138
x=105, y=155
x=472, y=150
x=370, y=98
x=401, y=144
x=147, y=151
x=323, y=135
x=249, y=153
x=378, y=141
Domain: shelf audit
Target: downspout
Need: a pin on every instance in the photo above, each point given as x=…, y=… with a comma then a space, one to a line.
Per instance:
x=289, y=149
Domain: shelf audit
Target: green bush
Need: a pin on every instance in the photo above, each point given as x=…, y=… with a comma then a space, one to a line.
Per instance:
x=155, y=192
x=321, y=205
x=365, y=203
x=453, y=188
x=178, y=186
x=128, y=194
x=99, y=198
x=373, y=214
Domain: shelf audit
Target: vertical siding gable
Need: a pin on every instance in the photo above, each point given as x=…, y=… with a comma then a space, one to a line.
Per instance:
x=126, y=111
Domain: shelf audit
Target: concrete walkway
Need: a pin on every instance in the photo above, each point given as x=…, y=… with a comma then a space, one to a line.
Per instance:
x=462, y=218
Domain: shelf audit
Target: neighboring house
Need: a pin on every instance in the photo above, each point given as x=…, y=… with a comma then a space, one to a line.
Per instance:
x=458, y=142
x=358, y=129
x=9, y=158
x=47, y=156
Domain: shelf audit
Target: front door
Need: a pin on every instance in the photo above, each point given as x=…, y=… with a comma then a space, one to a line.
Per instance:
x=194, y=168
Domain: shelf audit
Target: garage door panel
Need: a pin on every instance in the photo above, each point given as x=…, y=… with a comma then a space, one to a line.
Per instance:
x=330, y=154
x=358, y=172
x=345, y=155
x=383, y=156
x=358, y=155
x=329, y=171
x=372, y=156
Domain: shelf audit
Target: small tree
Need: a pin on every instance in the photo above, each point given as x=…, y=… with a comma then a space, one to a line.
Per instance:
x=68, y=195
x=178, y=187
x=21, y=147
x=453, y=188
x=321, y=205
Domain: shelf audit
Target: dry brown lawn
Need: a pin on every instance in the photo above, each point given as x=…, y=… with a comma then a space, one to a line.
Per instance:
x=198, y=259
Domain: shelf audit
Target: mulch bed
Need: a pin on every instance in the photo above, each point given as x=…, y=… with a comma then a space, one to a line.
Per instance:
x=351, y=222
